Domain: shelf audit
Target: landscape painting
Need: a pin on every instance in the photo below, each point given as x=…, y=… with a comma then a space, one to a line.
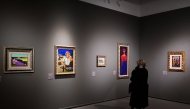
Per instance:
x=18, y=59
x=101, y=61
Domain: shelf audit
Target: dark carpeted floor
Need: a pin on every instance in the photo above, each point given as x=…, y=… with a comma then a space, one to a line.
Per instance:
x=124, y=104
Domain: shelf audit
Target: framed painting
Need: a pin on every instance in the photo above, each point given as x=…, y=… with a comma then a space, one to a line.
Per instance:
x=176, y=61
x=101, y=61
x=65, y=60
x=123, y=60
x=17, y=60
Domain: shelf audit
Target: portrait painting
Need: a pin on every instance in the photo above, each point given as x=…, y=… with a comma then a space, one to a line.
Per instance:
x=176, y=61
x=65, y=60
x=123, y=60
x=18, y=59
x=101, y=61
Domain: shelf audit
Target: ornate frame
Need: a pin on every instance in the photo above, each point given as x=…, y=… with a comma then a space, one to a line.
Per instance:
x=14, y=63
x=119, y=63
x=66, y=69
x=101, y=58
x=176, y=61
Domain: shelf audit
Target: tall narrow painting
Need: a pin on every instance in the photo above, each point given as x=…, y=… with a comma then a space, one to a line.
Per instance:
x=18, y=60
x=123, y=60
x=176, y=61
x=65, y=60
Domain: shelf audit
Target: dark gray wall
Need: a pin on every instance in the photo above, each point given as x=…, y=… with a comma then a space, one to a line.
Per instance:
x=160, y=33
x=92, y=29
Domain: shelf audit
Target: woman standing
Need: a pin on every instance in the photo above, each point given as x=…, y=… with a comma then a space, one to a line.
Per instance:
x=139, y=86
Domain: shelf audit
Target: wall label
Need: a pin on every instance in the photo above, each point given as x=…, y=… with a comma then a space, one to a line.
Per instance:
x=165, y=73
x=114, y=72
x=50, y=76
x=93, y=73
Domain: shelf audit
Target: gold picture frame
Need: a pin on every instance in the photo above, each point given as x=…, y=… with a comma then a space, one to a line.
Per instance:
x=101, y=61
x=123, y=60
x=176, y=61
x=65, y=59
x=18, y=59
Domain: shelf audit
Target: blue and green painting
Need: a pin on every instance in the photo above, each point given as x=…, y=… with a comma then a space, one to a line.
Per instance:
x=19, y=59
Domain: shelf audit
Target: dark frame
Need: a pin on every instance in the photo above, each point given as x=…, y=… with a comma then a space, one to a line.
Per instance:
x=16, y=64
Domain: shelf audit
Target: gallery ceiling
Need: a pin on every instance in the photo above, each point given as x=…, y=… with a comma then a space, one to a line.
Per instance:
x=141, y=8
x=139, y=2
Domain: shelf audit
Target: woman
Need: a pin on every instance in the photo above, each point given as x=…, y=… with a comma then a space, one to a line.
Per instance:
x=139, y=86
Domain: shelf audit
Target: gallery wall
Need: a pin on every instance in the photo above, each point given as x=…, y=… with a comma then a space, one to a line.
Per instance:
x=93, y=30
x=160, y=33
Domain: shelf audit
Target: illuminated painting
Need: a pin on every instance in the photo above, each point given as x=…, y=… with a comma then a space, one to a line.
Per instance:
x=123, y=60
x=64, y=60
x=18, y=60
x=176, y=61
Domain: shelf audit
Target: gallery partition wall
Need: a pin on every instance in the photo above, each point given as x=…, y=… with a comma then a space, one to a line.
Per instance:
x=159, y=34
x=92, y=30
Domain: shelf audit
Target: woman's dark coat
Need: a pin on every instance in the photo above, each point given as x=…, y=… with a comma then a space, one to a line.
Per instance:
x=139, y=88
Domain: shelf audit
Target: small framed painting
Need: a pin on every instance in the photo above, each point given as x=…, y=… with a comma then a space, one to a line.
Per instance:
x=65, y=60
x=101, y=61
x=18, y=60
x=176, y=61
x=123, y=60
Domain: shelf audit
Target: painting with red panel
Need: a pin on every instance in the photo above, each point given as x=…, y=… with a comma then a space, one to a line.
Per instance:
x=123, y=60
x=175, y=61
